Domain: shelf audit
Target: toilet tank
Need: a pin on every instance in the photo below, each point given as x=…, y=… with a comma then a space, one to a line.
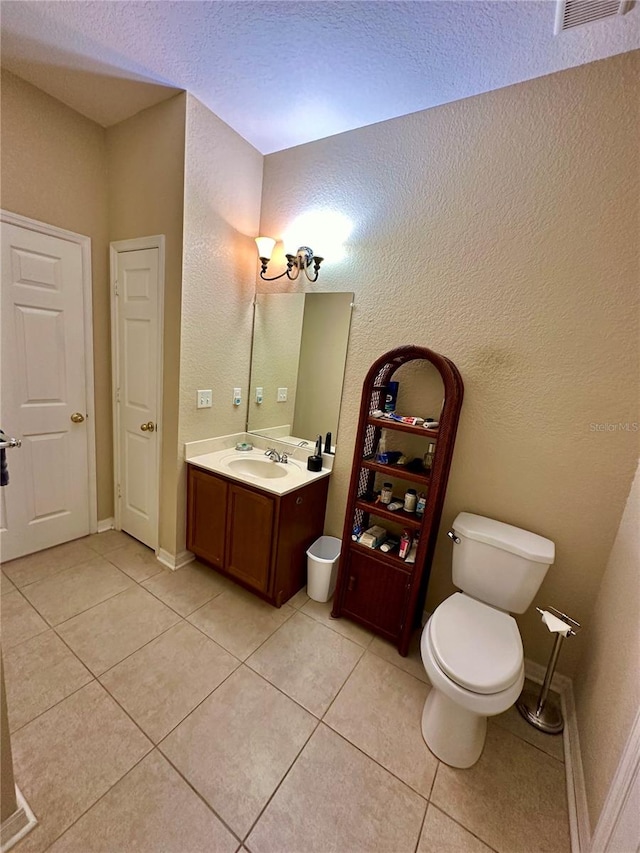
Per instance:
x=497, y=563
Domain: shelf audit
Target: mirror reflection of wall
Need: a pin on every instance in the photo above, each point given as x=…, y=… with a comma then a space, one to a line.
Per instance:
x=300, y=344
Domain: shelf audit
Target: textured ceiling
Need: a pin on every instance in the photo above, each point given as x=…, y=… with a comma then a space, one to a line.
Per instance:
x=285, y=73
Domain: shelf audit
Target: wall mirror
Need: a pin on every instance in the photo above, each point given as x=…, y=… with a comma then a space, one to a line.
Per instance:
x=297, y=365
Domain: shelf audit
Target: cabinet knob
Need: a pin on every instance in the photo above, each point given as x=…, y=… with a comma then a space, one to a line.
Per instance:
x=299, y=500
x=352, y=583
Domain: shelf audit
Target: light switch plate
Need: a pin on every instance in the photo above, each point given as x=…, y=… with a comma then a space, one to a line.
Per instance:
x=282, y=395
x=204, y=399
x=259, y=395
x=237, y=396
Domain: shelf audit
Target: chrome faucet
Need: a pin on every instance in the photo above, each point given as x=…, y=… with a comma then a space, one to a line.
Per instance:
x=273, y=454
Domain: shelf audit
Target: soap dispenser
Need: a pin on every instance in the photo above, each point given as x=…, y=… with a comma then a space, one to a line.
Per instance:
x=314, y=463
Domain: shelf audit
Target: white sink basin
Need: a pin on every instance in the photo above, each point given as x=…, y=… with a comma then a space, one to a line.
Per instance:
x=262, y=468
x=255, y=469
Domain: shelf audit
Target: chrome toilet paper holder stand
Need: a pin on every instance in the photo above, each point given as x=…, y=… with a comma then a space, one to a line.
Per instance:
x=537, y=709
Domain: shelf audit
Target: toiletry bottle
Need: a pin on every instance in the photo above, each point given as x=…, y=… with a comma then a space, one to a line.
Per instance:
x=405, y=543
x=391, y=397
x=420, y=504
x=428, y=456
x=410, y=500
x=381, y=453
x=386, y=493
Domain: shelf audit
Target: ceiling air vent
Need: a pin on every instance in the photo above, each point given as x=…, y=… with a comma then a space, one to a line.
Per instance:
x=574, y=13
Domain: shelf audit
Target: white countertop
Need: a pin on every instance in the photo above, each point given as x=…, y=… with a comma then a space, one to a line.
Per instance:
x=294, y=473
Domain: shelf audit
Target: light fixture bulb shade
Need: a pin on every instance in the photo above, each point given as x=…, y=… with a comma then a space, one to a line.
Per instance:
x=265, y=247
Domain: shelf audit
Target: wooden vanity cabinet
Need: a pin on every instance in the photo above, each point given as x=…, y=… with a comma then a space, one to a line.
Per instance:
x=256, y=538
x=249, y=532
x=206, y=515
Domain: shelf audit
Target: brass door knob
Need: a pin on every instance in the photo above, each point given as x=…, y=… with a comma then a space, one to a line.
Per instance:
x=148, y=427
x=77, y=418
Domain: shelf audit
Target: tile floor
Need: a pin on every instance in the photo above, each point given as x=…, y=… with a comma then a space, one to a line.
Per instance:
x=173, y=711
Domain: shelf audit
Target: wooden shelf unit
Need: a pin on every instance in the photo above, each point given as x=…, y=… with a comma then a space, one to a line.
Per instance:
x=377, y=589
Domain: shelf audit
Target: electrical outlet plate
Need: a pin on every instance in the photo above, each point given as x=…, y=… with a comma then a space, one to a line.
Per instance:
x=204, y=399
x=259, y=395
x=237, y=396
x=282, y=395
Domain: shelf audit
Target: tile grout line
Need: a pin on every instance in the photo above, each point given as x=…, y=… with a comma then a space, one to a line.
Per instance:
x=331, y=628
x=52, y=575
x=13, y=732
x=533, y=745
x=97, y=676
x=279, y=689
x=244, y=660
x=393, y=663
x=166, y=604
x=375, y=761
x=195, y=707
x=104, y=794
x=197, y=793
x=87, y=609
x=433, y=781
x=462, y=826
x=83, y=562
x=281, y=782
x=342, y=686
x=421, y=830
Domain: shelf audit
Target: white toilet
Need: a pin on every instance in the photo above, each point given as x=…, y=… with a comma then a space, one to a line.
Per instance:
x=471, y=646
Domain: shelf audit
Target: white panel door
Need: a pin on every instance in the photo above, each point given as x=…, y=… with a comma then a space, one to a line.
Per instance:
x=137, y=284
x=44, y=395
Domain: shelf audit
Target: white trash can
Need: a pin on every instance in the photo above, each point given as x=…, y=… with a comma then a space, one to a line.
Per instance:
x=322, y=567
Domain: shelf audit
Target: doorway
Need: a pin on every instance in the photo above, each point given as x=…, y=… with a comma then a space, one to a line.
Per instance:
x=47, y=387
x=137, y=298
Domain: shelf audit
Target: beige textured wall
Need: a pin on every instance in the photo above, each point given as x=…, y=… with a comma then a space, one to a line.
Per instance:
x=277, y=332
x=146, y=189
x=223, y=180
x=54, y=169
x=501, y=231
x=606, y=683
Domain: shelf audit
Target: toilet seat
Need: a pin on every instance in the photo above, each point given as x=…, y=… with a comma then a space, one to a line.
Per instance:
x=477, y=646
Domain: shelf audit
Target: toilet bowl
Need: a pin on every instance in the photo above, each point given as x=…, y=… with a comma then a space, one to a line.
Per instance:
x=471, y=647
x=473, y=657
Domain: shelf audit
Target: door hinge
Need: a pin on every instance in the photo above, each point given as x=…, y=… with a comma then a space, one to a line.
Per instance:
x=117, y=395
x=115, y=287
x=119, y=491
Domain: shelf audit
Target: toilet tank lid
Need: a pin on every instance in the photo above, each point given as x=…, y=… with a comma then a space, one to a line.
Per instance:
x=506, y=536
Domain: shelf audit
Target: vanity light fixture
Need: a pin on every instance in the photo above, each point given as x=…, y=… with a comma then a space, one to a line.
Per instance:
x=301, y=261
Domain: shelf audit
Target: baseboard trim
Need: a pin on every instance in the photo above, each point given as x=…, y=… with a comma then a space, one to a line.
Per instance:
x=17, y=825
x=175, y=561
x=579, y=825
x=620, y=807
x=105, y=524
x=536, y=672
x=579, y=822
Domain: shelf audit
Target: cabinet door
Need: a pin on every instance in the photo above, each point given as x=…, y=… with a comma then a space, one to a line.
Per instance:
x=375, y=594
x=249, y=536
x=206, y=515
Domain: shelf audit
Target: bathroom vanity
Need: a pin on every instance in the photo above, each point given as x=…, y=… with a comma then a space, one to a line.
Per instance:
x=255, y=528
